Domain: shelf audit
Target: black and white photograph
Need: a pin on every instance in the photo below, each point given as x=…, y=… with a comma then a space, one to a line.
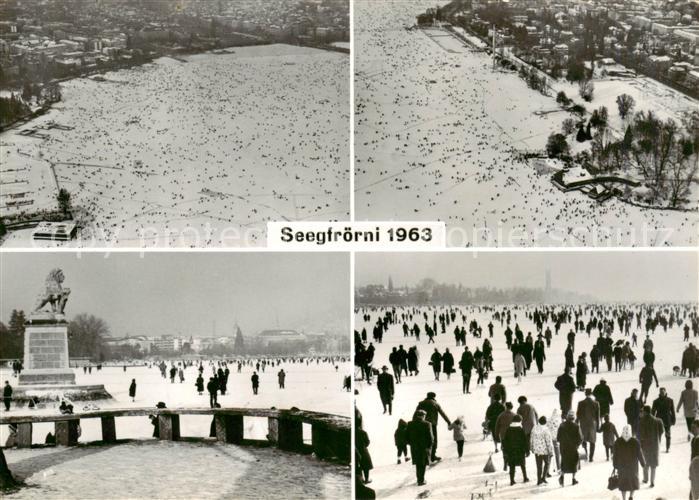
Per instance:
x=171, y=123
x=527, y=375
x=530, y=123
x=175, y=375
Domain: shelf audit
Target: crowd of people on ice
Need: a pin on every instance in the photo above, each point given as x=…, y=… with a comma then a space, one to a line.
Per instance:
x=568, y=435
x=278, y=149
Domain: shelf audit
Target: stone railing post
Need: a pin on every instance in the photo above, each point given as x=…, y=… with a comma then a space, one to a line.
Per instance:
x=108, y=429
x=67, y=432
x=24, y=435
x=290, y=434
x=169, y=426
x=229, y=428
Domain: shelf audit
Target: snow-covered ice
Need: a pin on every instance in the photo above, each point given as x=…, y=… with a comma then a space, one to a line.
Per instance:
x=437, y=134
x=200, y=151
x=453, y=479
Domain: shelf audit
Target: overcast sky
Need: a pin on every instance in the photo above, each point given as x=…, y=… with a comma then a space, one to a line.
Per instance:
x=612, y=276
x=171, y=293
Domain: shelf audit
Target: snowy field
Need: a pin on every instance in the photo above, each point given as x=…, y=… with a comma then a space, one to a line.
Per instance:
x=200, y=151
x=436, y=134
x=453, y=479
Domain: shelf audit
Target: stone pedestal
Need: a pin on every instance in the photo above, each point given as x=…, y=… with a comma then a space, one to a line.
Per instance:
x=46, y=354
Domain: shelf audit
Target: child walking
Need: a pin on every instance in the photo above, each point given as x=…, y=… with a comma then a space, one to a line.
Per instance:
x=401, y=439
x=458, y=427
x=609, y=435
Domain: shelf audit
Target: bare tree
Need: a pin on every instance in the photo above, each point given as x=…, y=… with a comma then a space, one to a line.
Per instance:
x=653, y=149
x=682, y=171
x=586, y=89
x=625, y=103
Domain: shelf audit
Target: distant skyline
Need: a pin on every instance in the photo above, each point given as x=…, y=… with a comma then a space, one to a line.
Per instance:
x=633, y=276
x=187, y=293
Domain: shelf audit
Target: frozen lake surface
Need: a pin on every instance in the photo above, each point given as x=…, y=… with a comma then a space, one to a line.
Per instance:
x=200, y=151
x=453, y=479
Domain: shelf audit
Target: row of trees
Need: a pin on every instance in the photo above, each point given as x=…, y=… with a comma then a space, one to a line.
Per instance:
x=87, y=335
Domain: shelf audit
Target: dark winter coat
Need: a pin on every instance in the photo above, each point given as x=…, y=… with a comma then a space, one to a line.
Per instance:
x=384, y=383
x=361, y=441
x=132, y=390
x=502, y=424
x=566, y=388
x=569, y=439
x=651, y=430
x=514, y=445
x=433, y=410
x=448, y=362
x=420, y=439
x=491, y=416
x=603, y=395
x=627, y=456
x=664, y=409
x=588, y=418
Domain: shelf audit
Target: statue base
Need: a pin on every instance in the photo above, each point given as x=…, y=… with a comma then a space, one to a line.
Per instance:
x=46, y=377
x=53, y=394
x=46, y=352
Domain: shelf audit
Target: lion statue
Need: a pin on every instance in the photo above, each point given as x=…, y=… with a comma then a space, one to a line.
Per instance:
x=54, y=294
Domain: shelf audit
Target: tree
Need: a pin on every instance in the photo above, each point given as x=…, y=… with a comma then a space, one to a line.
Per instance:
x=625, y=103
x=578, y=110
x=63, y=198
x=657, y=150
x=557, y=146
x=683, y=169
x=86, y=336
x=599, y=118
x=27, y=91
x=12, y=336
x=576, y=70
x=569, y=126
x=586, y=89
x=563, y=99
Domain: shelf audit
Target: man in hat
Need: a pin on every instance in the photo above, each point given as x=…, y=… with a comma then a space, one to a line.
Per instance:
x=603, y=395
x=589, y=420
x=384, y=383
x=420, y=440
x=432, y=411
x=566, y=388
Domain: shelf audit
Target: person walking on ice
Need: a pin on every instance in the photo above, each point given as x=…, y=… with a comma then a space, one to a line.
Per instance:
x=132, y=390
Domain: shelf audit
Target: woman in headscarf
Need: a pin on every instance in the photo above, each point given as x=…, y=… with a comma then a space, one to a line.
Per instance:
x=627, y=456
